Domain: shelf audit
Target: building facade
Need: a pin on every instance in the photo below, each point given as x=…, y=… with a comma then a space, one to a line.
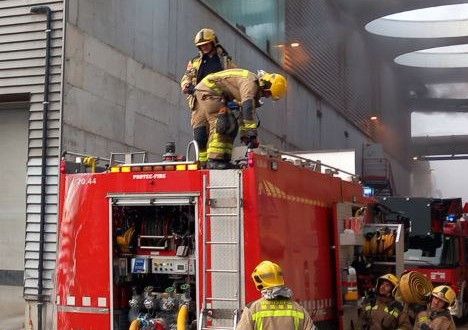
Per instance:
x=114, y=71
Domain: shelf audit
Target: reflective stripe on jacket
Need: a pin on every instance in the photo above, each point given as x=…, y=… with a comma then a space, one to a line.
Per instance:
x=284, y=314
x=383, y=314
x=238, y=84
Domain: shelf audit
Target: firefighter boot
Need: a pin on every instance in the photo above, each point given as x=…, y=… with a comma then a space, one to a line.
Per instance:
x=218, y=164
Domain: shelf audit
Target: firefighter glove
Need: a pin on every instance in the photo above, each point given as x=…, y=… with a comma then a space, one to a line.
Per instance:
x=248, y=110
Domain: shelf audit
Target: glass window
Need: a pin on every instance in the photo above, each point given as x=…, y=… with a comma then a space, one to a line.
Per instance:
x=263, y=21
x=432, y=250
x=450, y=252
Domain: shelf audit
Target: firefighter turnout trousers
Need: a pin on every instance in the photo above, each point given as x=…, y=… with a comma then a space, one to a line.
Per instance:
x=209, y=107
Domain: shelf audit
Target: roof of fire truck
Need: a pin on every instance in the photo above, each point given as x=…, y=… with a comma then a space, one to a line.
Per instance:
x=174, y=162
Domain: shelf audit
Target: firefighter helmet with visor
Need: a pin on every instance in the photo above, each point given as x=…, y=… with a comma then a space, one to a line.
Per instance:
x=445, y=293
x=267, y=274
x=390, y=278
x=205, y=36
x=275, y=83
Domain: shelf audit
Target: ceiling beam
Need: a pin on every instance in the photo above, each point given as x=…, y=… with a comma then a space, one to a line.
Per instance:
x=438, y=105
x=449, y=157
x=440, y=145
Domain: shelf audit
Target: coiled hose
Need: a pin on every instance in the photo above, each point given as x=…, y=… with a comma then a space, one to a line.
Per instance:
x=414, y=287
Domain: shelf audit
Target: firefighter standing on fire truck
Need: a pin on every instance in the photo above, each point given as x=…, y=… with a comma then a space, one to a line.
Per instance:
x=217, y=90
x=212, y=58
x=381, y=311
x=276, y=309
x=437, y=315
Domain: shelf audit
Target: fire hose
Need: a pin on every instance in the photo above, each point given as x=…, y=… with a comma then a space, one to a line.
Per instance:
x=182, y=317
x=135, y=325
x=156, y=324
x=414, y=288
x=380, y=243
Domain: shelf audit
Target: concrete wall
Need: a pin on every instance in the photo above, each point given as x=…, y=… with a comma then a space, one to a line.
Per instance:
x=121, y=91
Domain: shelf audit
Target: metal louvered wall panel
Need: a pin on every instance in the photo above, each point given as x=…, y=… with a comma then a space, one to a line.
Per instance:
x=321, y=61
x=317, y=61
x=22, y=68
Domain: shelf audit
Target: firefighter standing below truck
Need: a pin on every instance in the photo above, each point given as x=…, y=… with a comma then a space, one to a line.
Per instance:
x=276, y=309
x=217, y=90
x=212, y=58
x=437, y=316
x=381, y=311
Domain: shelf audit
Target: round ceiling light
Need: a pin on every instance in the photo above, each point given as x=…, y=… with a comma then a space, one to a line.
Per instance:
x=432, y=22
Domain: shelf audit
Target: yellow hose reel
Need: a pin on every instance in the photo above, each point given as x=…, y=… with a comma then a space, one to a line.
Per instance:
x=414, y=288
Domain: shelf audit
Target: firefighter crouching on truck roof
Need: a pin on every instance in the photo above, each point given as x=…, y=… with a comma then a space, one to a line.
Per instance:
x=212, y=58
x=276, y=309
x=437, y=315
x=246, y=88
x=381, y=311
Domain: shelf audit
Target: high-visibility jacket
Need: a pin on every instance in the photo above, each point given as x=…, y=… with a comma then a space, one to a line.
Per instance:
x=238, y=84
x=281, y=313
x=234, y=84
x=381, y=313
x=191, y=72
x=435, y=320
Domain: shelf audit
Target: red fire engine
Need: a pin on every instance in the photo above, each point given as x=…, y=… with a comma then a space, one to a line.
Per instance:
x=151, y=245
x=438, y=243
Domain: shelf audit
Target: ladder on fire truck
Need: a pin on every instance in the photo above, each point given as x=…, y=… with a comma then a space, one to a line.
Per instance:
x=222, y=228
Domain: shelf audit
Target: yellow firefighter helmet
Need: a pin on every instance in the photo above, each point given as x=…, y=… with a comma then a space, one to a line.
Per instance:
x=275, y=83
x=387, y=277
x=205, y=36
x=445, y=293
x=267, y=274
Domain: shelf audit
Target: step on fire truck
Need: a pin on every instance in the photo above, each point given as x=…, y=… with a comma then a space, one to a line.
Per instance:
x=155, y=245
x=438, y=243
